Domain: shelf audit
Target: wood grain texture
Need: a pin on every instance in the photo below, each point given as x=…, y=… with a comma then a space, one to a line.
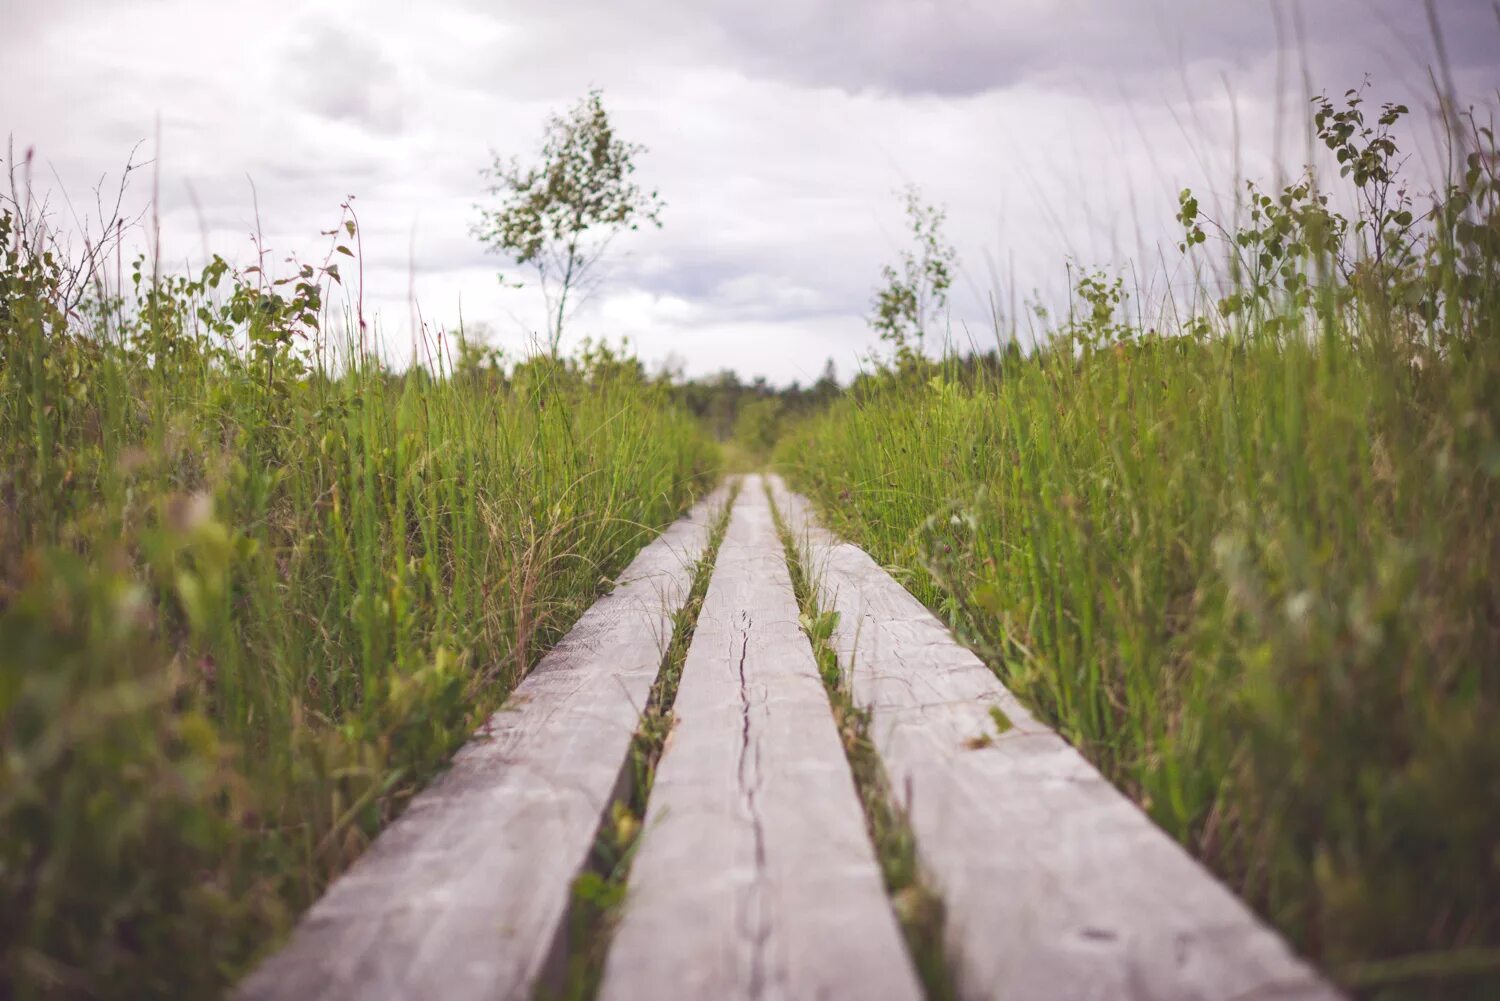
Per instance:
x=464, y=895
x=755, y=877
x=1056, y=885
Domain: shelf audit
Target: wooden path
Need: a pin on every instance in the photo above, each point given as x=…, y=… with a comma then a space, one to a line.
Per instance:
x=1056, y=885
x=753, y=876
x=464, y=896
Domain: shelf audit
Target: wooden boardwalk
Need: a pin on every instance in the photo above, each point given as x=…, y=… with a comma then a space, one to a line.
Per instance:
x=1056, y=885
x=753, y=876
x=464, y=896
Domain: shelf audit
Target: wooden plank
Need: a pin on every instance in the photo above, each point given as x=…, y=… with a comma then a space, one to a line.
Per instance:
x=1056, y=885
x=463, y=897
x=755, y=877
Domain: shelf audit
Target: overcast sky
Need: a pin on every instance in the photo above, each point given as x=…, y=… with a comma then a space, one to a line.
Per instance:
x=778, y=133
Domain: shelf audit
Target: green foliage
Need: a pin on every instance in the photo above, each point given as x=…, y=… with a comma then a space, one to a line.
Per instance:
x=1100, y=325
x=1249, y=568
x=758, y=425
x=1295, y=258
x=249, y=602
x=718, y=400
x=1367, y=154
x=914, y=292
x=559, y=215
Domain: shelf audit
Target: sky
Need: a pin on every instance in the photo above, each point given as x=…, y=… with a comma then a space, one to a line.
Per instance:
x=1055, y=133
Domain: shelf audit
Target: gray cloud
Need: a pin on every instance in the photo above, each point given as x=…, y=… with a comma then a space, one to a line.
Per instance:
x=961, y=47
x=337, y=73
x=778, y=134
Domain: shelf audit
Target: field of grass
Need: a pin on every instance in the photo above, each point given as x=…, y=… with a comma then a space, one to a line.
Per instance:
x=1248, y=562
x=252, y=594
x=256, y=586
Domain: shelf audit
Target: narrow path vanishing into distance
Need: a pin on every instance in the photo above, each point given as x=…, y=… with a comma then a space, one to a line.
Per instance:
x=754, y=875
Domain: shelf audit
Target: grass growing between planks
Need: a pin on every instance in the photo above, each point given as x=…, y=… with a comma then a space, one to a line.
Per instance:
x=252, y=596
x=918, y=907
x=1251, y=567
x=599, y=892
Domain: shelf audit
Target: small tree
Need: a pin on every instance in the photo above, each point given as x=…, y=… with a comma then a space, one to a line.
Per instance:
x=915, y=293
x=559, y=215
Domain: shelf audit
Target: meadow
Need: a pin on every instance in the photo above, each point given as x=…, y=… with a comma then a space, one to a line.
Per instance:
x=1239, y=547
x=1244, y=555
x=256, y=587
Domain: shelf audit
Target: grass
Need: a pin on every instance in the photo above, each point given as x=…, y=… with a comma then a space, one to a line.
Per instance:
x=917, y=905
x=255, y=588
x=1247, y=561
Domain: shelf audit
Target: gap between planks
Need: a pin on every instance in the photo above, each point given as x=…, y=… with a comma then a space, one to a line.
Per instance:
x=464, y=896
x=1056, y=886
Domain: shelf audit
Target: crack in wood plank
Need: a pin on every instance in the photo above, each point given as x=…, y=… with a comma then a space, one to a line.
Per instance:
x=753, y=915
x=754, y=877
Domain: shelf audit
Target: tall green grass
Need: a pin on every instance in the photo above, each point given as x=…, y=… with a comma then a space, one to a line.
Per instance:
x=252, y=596
x=1250, y=566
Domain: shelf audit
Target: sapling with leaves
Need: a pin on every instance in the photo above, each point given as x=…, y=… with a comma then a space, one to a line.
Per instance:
x=914, y=292
x=559, y=215
x=1367, y=155
x=1294, y=253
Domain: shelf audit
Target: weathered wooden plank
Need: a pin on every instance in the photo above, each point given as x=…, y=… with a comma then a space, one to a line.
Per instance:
x=755, y=877
x=1056, y=884
x=464, y=895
